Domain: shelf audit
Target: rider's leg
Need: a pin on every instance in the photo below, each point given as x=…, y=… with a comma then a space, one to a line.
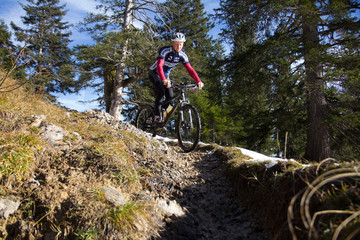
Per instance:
x=168, y=95
x=160, y=89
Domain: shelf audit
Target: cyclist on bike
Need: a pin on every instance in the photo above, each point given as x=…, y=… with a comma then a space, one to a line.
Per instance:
x=168, y=58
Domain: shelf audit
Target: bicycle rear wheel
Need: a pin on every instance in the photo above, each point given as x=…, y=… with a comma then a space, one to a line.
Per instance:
x=145, y=118
x=188, y=128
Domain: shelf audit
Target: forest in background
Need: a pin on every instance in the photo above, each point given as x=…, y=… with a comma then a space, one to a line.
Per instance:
x=289, y=85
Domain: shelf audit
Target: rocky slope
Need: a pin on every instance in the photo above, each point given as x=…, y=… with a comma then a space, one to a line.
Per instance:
x=189, y=194
x=197, y=182
x=201, y=201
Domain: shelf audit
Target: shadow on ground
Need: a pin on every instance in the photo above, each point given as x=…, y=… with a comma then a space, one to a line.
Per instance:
x=211, y=205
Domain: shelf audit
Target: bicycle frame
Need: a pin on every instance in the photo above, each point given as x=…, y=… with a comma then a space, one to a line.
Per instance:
x=181, y=100
x=187, y=125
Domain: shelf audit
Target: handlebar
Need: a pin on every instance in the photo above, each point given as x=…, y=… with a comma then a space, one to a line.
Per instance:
x=184, y=85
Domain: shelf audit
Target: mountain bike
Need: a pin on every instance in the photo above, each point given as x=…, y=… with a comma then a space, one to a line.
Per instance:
x=188, y=124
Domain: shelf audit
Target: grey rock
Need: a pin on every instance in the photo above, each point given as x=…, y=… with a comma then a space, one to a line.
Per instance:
x=170, y=208
x=37, y=121
x=77, y=135
x=113, y=196
x=52, y=133
x=8, y=206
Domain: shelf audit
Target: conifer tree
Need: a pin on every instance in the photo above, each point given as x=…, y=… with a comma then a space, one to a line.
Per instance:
x=48, y=38
x=98, y=63
x=11, y=59
x=304, y=38
x=5, y=42
x=115, y=22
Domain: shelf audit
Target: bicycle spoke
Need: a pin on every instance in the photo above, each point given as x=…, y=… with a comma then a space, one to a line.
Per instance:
x=145, y=119
x=188, y=128
x=188, y=125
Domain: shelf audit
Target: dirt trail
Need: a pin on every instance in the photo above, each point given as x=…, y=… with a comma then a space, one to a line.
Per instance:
x=197, y=182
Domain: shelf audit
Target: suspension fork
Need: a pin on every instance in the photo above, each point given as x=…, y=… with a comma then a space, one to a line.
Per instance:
x=181, y=111
x=190, y=118
x=182, y=103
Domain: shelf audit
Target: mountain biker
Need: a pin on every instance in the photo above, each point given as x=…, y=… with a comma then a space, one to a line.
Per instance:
x=168, y=58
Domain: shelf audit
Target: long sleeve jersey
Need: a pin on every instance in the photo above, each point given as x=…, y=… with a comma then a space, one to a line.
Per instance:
x=168, y=58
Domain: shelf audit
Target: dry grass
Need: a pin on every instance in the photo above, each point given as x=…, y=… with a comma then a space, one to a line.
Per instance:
x=337, y=217
x=294, y=202
x=68, y=202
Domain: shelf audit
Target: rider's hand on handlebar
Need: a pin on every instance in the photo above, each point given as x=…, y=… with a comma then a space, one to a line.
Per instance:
x=167, y=83
x=200, y=85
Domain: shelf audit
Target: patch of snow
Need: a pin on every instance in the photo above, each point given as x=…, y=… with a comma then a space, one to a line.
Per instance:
x=255, y=156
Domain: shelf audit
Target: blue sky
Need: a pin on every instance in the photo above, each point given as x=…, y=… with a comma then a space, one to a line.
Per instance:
x=10, y=10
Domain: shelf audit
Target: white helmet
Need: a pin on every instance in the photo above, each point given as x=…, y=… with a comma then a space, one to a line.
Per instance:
x=178, y=37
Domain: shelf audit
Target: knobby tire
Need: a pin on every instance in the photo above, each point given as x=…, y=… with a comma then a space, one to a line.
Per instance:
x=145, y=119
x=188, y=132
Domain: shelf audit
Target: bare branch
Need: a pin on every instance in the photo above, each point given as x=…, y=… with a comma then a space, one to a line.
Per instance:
x=15, y=63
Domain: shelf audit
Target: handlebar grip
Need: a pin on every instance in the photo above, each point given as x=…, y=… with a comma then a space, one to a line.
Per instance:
x=184, y=85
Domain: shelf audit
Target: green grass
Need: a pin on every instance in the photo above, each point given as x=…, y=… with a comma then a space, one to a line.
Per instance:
x=17, y=156
x=88, y=234
x=125, y=217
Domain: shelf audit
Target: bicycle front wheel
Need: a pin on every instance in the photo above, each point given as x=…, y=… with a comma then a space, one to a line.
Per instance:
x=145, y=118
x=188, y=128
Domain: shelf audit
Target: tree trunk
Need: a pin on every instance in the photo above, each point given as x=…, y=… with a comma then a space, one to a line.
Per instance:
x=108, y=88
x=115, y=109
x=318, y=136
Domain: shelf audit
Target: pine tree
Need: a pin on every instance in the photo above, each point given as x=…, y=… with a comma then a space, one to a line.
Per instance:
x=11, y=59
x=48, y=38
x=5, y=43
x=298, y=42
x=99, y=61
x=115, y=22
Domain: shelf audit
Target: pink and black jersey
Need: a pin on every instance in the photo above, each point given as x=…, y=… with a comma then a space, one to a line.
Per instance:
x=171, y=59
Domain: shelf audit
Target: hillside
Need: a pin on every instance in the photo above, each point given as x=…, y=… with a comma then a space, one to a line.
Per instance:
x=77, y=175
x=71, y=175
